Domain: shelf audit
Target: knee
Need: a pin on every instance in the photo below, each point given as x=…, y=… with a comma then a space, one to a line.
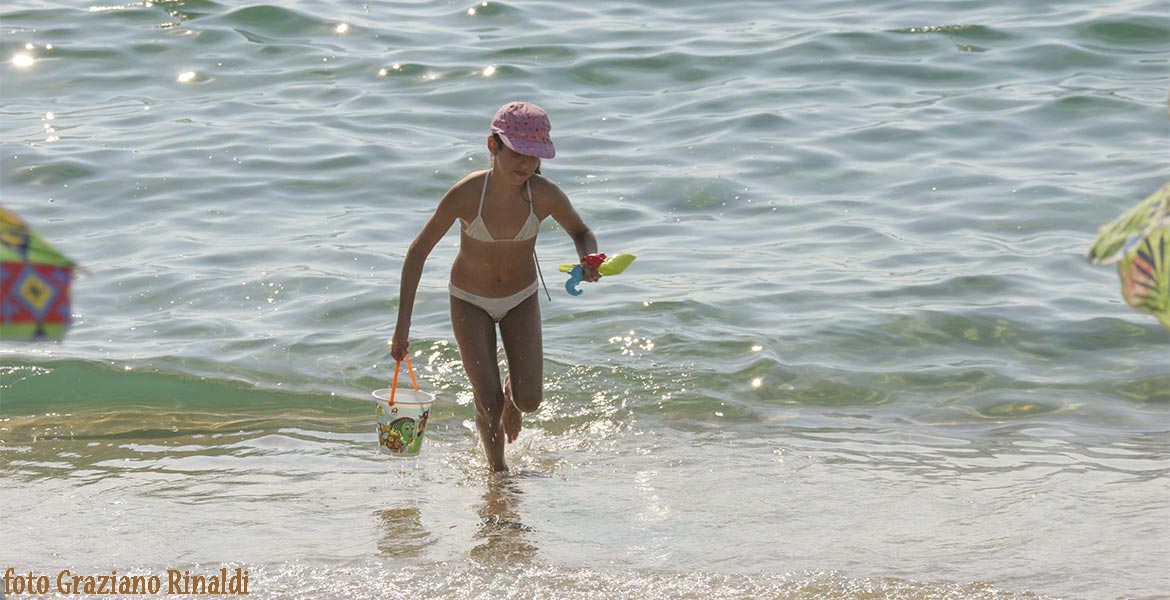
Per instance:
x=527, y=400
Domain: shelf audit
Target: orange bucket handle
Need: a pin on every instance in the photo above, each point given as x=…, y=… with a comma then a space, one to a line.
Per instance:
x=394, y=384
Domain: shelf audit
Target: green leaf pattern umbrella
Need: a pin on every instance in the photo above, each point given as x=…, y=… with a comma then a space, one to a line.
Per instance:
x=34, y=283
x=1137, y=242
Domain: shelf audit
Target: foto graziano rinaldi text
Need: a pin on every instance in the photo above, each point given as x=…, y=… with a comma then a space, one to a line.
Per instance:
x=174, y=582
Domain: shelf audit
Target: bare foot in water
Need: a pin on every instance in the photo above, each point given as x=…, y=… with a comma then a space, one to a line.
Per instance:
x=511, y=417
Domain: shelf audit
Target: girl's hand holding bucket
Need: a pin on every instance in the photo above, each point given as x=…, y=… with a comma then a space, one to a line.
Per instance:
x=398, y=347
x=402, y=415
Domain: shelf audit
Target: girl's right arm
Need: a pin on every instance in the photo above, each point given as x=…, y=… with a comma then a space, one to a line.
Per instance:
x=412, y=267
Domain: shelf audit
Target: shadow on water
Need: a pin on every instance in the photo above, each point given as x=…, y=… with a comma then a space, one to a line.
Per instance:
x=403, y=534
x=502, y=536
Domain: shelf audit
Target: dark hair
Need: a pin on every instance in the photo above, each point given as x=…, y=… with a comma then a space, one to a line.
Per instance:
x=496, y=137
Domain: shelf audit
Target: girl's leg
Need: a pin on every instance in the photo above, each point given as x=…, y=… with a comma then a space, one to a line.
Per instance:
x=475, y=332
x=524, y=346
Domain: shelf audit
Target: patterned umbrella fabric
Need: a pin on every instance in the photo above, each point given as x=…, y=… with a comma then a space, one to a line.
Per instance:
x=34, y=284
x=1137, y=242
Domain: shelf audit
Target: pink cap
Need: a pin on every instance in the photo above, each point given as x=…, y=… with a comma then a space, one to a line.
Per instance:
x=524, y=128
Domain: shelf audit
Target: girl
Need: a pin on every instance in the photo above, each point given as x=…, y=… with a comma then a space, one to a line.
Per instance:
x=494, y=278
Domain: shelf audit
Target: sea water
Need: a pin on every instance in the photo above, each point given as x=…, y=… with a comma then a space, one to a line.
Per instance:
x=860, y=355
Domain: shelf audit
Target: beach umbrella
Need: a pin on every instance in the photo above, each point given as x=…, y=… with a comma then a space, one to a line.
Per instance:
x=1137, y=241
x=34, y=283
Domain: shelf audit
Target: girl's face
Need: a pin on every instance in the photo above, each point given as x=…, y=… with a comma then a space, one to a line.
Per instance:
x=516, y=167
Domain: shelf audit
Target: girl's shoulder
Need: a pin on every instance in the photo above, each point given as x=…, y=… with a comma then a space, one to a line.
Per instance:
x=547, y=197
x=543, y=187
x=469, y=186
x=471, y=180
x=463, y=197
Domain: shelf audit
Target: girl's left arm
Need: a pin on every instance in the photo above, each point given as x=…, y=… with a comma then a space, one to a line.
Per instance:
x=566, y=216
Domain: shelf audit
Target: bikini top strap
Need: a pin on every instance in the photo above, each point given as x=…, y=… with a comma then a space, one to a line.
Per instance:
x=483, y=193
x=531, y=200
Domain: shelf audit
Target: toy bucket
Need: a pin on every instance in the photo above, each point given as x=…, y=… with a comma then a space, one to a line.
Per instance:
x=402, y=416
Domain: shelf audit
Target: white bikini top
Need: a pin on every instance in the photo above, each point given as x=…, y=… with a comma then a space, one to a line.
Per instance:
x=477, y=229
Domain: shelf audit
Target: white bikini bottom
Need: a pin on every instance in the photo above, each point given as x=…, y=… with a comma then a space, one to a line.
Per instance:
x=496, y=308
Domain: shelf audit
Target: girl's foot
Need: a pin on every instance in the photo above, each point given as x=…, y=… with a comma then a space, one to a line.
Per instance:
x=512, y=414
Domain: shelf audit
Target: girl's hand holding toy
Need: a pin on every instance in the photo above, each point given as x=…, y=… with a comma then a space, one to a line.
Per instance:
x=599, y=264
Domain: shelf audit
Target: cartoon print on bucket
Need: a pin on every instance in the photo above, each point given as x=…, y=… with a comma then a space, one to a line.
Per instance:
x=402, y=435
